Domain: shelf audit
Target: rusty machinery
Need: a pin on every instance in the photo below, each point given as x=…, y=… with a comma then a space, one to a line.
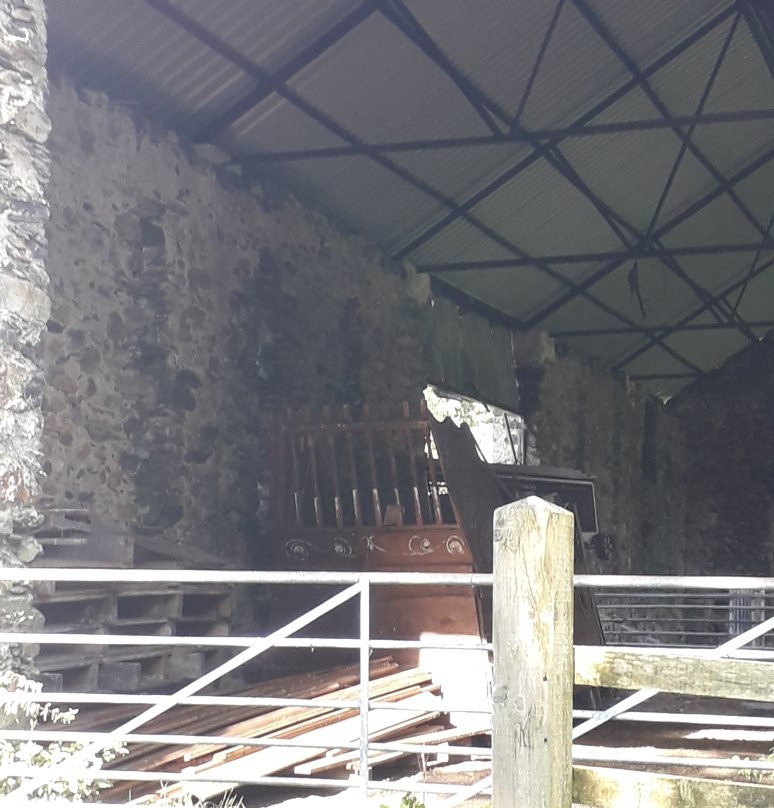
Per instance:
x=399, y=491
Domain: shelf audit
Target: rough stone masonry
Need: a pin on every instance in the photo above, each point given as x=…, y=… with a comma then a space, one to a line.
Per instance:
x=24, y=303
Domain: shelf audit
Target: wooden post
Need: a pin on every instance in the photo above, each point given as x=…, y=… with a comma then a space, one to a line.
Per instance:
x=533, y=656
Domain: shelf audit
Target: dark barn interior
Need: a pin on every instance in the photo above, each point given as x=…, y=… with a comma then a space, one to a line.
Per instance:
x=255, y=251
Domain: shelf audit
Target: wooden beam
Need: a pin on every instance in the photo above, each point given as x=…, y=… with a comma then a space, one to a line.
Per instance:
x=695, y=674
x=622, y=788
x=532, y=633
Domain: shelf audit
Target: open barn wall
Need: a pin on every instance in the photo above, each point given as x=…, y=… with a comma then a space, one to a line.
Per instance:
x=729, y=424
x=186, y=309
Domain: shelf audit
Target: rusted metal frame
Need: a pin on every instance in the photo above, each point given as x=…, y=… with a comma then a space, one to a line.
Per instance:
x=228, y=52
x=390, y=445
x=337, y=499
x=291, y=438
x=310, y=442
x=583, y=119
x=611, y=332
x=408, y=436
x=585, y=258
x=356, y=504
x=667, y=330
x=617, y=49
x=398, y=14
x=533, y=74
x=305, y=58
x=699, y=109
x=433, y=469
x=369, y=443
x=707, y=199
x=475, y=141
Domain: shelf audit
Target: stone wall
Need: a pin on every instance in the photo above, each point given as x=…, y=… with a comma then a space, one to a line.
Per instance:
x=601, y=425
x=24, y=173
x=729, y=425
x=186, y=310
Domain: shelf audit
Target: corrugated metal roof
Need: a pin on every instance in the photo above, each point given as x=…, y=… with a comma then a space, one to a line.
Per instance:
x=380, y=86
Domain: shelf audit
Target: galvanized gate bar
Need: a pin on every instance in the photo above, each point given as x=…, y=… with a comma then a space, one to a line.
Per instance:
x=261, y=645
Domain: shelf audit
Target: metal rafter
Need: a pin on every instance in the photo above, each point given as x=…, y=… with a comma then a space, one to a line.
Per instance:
x=582, y=120
x=584, y=258
x=667, y=330
x=615, y=47
x=260, y=92
x=396, y=12
x=403, y=19
x=619, y=332
x=206, y=37
x=724, y=311
x=476, y=141
x=533, y=74
x=678, y=219
x=699, y=110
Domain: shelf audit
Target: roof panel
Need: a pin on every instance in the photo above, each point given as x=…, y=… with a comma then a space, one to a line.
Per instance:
x=493, y=46
x=379, y=85
x=460, y=172
x=655, y=360
x=717, y=223
x=363, y=197
x=580, y=313
x=646, y=30
x=629, y=170
x=756, y=300
x=707, y=349
x=728, y=145
x=266, y=32
x=541, y=211
x=577, y=70
x=460, y=241
x=603, y=348
x=517, y=292
x=756, y=191
x=136, y=54
x=273, y=125
x=664, y=295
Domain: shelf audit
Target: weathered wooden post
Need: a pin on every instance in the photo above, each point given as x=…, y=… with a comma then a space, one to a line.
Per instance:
x=533, y=655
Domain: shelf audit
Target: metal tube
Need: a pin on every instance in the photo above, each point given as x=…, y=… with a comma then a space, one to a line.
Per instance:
x=194, y=687
x=437, y=705
x=691, y=719
x=726, y=649
x=433, y=477
x=159, y=641
x=356, y=506
x=704, y=582
x=369, y=440
x=129, y=576
x=618, y=756
x=365, y=683
x=403, y=786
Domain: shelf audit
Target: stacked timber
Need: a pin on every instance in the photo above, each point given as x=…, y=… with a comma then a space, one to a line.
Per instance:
x=71, y=538
x=325, y=733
